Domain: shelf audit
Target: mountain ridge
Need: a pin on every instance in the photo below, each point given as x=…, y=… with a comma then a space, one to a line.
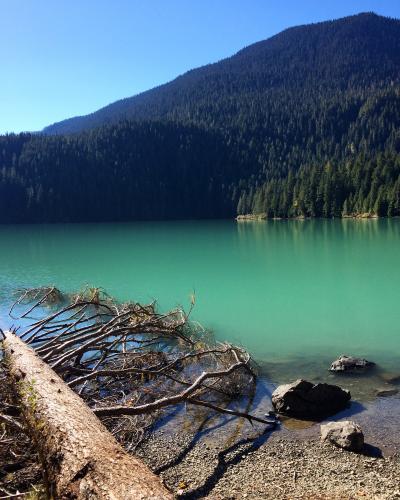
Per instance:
x=135, y=107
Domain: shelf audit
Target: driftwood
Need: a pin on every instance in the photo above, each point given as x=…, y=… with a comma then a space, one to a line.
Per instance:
x=128, y=363
x=81, y=458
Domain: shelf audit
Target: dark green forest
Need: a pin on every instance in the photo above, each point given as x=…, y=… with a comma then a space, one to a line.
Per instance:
x=306, y=123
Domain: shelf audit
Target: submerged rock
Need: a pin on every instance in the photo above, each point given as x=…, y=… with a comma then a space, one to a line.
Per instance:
x=303, y=399
x=349, y=364
x=346, y=434
x=390, y=391
x=391, y=378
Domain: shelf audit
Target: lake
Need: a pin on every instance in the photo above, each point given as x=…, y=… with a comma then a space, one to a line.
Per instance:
x=295, y=293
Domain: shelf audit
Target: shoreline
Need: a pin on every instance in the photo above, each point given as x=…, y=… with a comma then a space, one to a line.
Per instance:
x=264, y=217
x=268, y=467
x=199, y=455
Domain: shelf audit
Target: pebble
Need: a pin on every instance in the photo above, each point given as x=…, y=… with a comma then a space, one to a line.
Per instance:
x=300, y=468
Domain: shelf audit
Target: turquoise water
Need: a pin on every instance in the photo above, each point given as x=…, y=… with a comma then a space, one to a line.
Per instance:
x=292, y=292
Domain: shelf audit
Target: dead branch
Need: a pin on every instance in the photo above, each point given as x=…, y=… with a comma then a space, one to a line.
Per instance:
x=11, y=421
x=39, y=296
x=168, y=401
x=272, y=423
x=129, y=363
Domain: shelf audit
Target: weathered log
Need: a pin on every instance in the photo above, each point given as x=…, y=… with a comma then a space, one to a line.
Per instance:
x=80, y=457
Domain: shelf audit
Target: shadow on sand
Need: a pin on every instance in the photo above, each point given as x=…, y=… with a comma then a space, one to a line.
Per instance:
x=230, y=455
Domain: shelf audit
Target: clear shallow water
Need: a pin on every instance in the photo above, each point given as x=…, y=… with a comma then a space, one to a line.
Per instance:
x=295, y=293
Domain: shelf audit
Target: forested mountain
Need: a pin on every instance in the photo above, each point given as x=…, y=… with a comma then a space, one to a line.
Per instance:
x=305, y=123
x=125, y=172
x=267, y=78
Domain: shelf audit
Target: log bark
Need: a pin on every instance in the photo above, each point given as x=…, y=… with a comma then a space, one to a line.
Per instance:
x=81, y=458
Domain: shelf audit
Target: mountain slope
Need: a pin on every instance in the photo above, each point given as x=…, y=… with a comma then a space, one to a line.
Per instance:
x=358, y=52
x=306, y=123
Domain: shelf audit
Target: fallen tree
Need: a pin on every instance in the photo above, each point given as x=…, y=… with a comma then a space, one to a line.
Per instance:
x=123, y=363
x=80, y=457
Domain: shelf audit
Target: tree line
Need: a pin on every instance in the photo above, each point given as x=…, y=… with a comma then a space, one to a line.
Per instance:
x=306, y=123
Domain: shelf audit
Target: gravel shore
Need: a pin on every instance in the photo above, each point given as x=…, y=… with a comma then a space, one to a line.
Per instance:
x=267, y=467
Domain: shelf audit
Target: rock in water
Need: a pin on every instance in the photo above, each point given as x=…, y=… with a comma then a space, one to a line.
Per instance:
x=347, y=435
x=391, y=378
x=305, y=400
x=349, y=364
x=390, y=391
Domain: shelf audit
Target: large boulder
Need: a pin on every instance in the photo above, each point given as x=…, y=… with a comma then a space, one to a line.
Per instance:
x=347, y=435
x=350, y=364
x=305, y=400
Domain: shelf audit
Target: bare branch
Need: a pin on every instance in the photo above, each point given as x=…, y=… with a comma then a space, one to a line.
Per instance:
x=129, y=362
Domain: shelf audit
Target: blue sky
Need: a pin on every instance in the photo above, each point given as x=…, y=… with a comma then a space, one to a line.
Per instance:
x=61, y=58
